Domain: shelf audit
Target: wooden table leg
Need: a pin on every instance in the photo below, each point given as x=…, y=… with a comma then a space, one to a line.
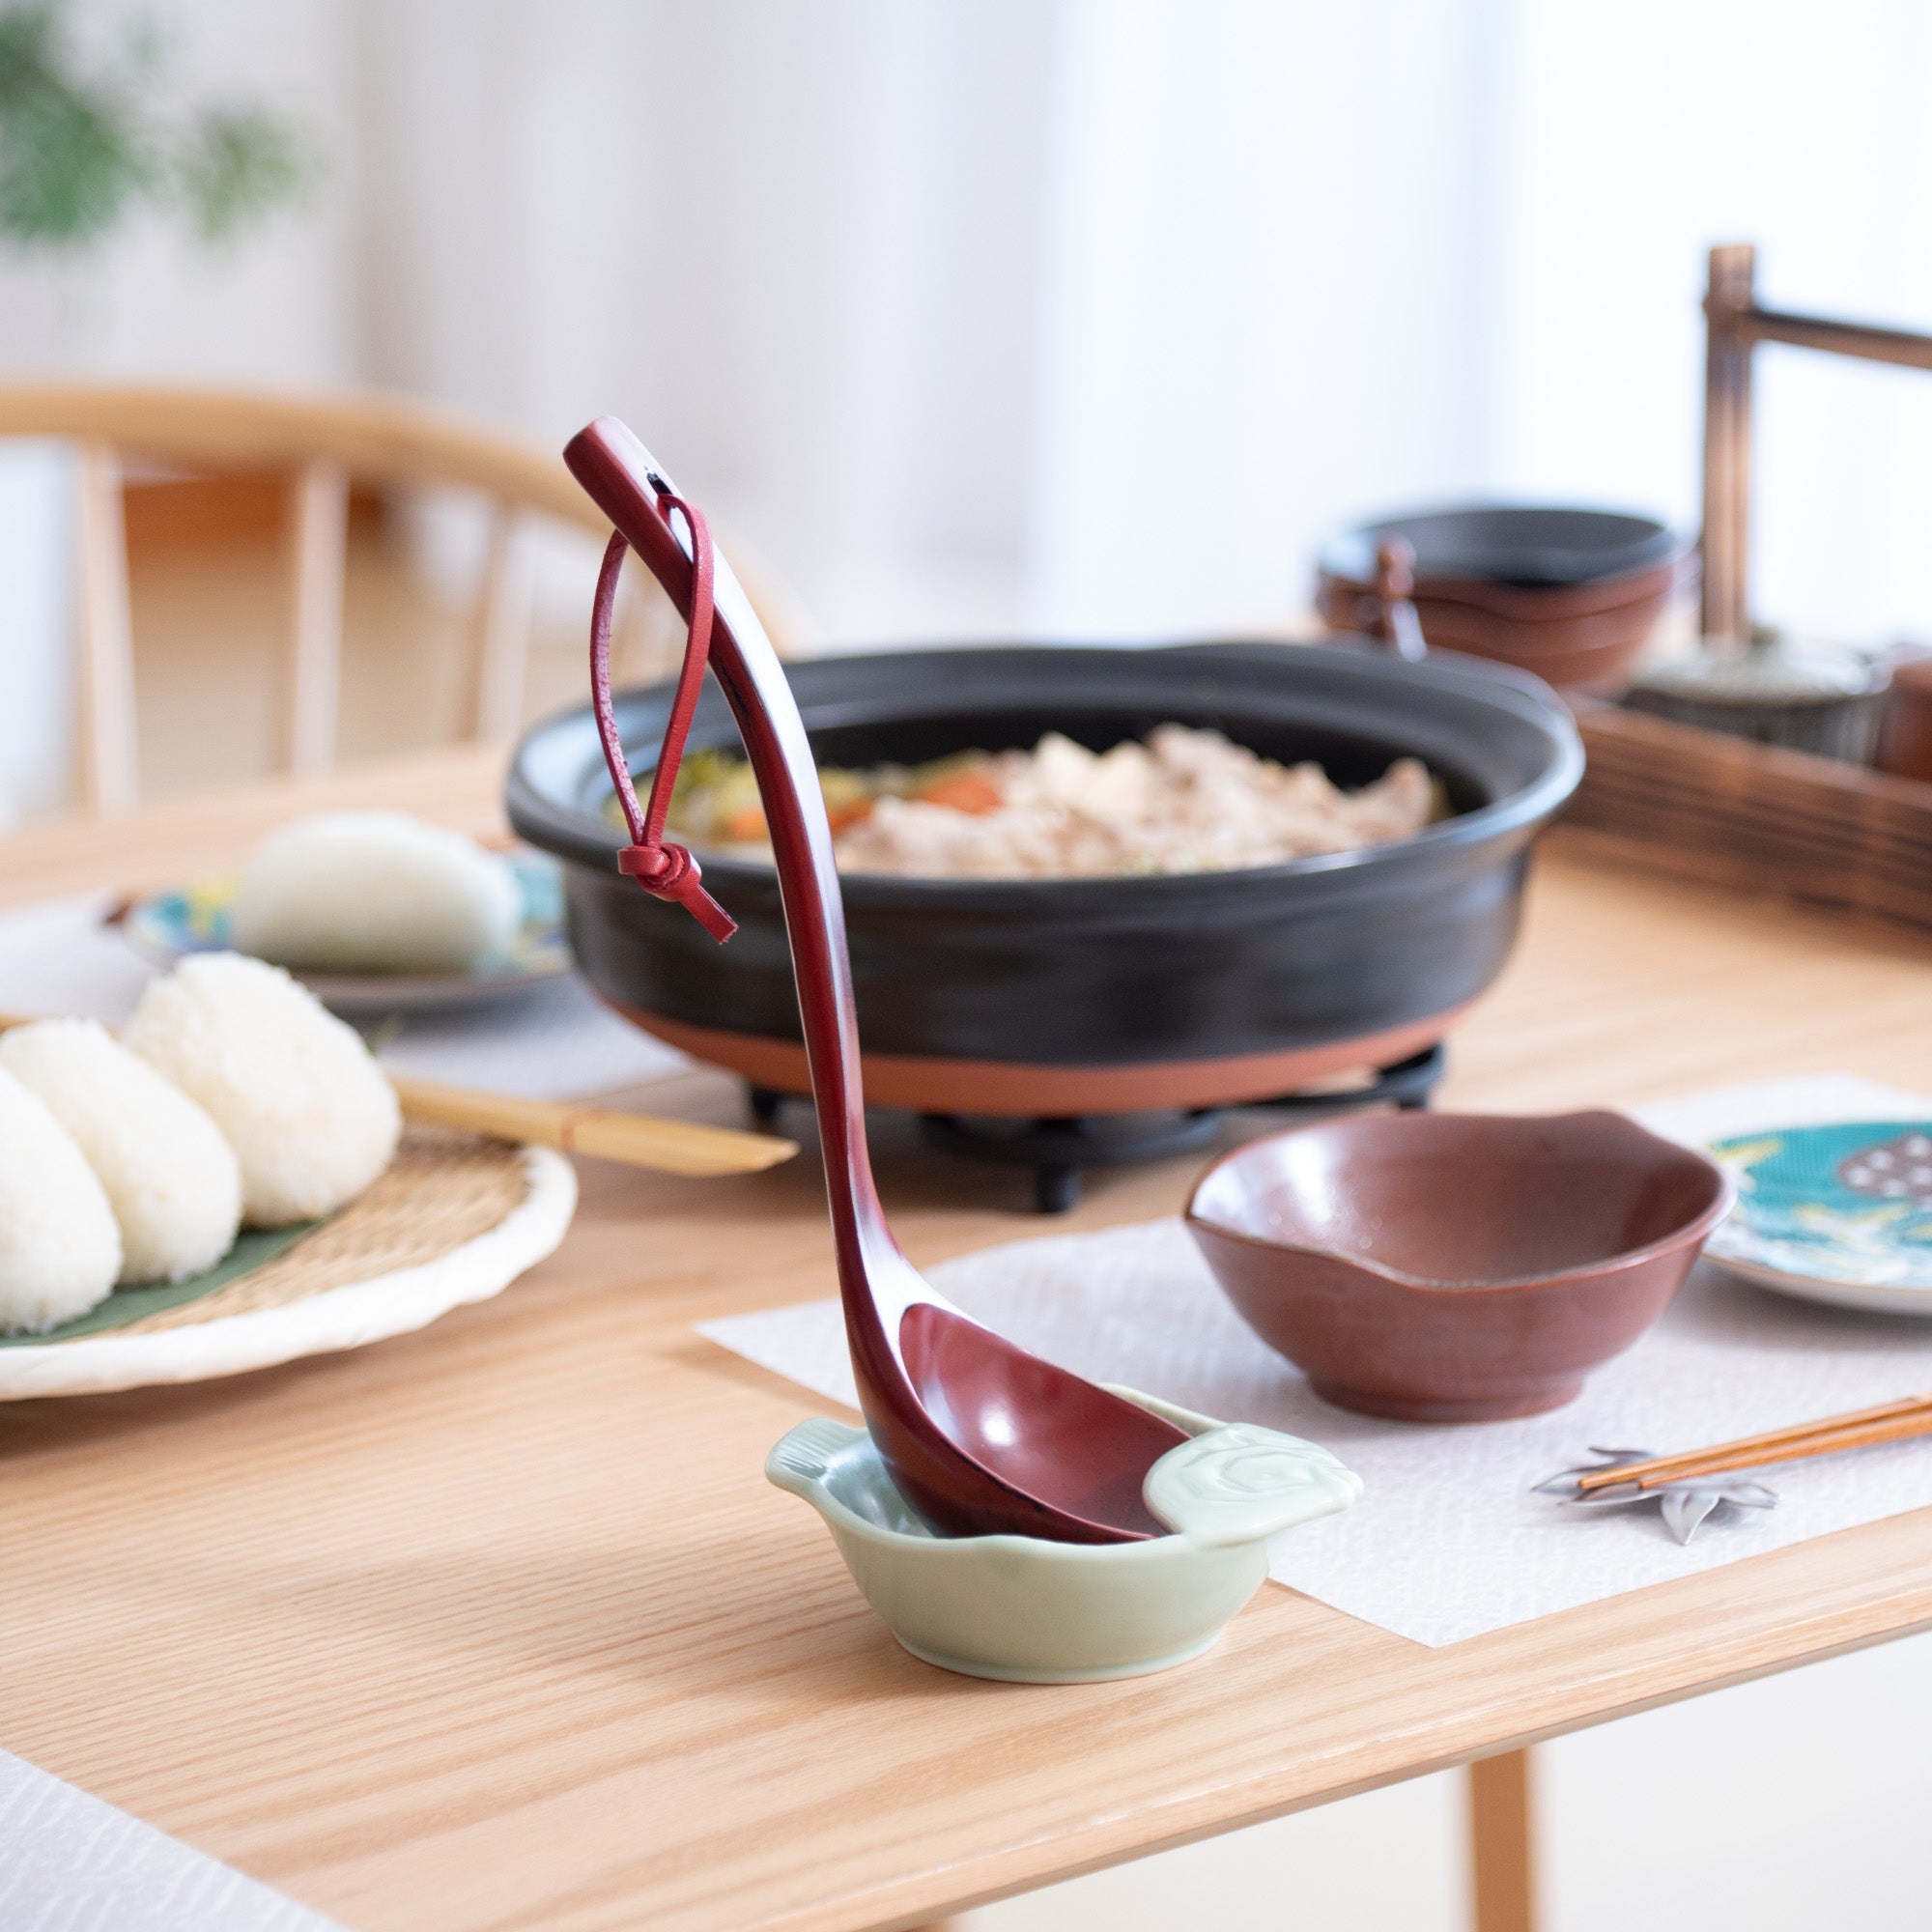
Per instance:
x=1502, y=1863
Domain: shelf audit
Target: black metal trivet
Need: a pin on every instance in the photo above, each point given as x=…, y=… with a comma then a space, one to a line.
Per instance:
x=1058, y=1148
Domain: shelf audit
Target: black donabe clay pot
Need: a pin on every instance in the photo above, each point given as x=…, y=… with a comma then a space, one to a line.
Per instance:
x=1082, y=996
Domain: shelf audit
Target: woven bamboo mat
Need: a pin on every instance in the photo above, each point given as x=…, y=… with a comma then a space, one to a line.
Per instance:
x=442, y=1190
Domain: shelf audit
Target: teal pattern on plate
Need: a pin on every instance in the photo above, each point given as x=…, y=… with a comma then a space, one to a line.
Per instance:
x=1850, y=1203
x=199, y=918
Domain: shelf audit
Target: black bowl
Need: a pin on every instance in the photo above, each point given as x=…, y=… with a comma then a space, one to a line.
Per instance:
x=1533, y=546
x=1078, y=996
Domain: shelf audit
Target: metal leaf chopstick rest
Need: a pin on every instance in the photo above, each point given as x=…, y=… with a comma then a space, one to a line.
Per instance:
x=1694, y=1483
x=1687, y=1504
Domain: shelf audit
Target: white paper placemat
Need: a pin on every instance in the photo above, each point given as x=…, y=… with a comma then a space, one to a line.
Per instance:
x=1447, y=1541
x=553, y=1043
x=72, y=1864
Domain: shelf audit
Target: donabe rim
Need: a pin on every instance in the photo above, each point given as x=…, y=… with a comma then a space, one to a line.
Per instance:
x=590, y=839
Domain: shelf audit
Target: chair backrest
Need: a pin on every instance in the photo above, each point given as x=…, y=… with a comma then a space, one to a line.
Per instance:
x=325, y=446
x=1736, y=326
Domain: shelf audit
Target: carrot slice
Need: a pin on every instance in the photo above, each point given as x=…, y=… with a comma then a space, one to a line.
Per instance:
x=847, y=813
x=970, y=792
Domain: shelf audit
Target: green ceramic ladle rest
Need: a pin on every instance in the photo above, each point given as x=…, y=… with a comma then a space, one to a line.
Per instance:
x=1032, y=1611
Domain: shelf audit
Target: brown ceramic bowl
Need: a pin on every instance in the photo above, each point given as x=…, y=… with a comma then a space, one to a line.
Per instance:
x=1524, y=603
x=1454, y=1267
x=1548, y=633
x=1598, y=650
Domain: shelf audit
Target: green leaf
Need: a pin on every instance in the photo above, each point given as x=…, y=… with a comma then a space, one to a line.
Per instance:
x=80, y=147
x=237, y=165
x=68, y=170
x=254, y=1247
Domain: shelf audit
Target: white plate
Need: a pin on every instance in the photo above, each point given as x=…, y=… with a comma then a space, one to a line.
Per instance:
x=164, y=926
x=1878, y=1298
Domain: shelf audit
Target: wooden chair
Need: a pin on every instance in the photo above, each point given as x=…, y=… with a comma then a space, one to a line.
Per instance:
x=326, y=446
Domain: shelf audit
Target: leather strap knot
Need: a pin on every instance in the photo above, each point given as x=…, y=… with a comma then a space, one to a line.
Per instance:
x=664, y=869
x=657, y=867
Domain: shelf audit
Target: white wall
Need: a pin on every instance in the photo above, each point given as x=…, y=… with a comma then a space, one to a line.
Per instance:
x=1265, y=300
x=1089, y=317
x=37, y=589
x=1084, y=317
x=1634, y=137
x=794, y=242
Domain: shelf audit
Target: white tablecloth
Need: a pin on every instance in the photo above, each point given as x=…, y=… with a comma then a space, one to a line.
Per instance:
x=71, y=1863
x=1448, y=1542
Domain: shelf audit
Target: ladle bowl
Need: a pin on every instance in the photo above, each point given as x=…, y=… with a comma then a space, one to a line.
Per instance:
x=980, y=1437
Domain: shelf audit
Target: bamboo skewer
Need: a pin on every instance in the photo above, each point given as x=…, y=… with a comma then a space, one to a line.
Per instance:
x=1886, y=1422
x=638, y=1140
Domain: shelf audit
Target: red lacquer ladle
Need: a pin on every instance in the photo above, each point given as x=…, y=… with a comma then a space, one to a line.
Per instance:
x=981, y=1438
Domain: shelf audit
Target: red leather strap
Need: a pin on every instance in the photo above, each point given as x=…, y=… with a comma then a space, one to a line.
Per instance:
x=665, y=869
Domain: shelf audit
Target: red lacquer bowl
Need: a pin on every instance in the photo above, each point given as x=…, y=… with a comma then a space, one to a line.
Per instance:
x=1454, y=1267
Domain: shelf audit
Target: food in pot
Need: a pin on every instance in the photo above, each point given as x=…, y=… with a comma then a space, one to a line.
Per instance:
x=171, y=1178
x=306, y=1109
x=1185, y=801
x=374, y=892
x=60, y=1250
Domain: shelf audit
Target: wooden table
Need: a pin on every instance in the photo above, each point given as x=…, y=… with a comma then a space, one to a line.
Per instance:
x=499, y=1625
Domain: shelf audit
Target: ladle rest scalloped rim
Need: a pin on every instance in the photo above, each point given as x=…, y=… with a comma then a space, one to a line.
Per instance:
x=1026, y=1610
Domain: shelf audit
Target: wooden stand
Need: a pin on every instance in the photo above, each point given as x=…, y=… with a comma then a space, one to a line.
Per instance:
x=1736, y=326
x=1669, y=797
x=1664, y=797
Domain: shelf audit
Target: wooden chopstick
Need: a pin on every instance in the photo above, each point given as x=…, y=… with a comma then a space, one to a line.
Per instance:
x=638, y=1140
x=1885, y=1421
x=1827, y=1442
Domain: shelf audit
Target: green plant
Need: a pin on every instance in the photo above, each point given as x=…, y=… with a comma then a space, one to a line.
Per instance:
x=83, y=144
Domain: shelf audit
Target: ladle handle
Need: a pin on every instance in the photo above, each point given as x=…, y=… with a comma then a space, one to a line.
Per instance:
x=626, y=483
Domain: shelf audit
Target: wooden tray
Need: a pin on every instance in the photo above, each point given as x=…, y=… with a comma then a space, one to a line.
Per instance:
x=1671, y=798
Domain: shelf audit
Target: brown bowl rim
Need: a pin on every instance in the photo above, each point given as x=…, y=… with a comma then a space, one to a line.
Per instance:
x=1697, y=1228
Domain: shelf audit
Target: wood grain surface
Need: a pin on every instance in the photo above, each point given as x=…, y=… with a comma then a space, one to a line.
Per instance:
x=497, y=1625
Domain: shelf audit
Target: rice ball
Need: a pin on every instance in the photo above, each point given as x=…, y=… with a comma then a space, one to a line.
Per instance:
x=172, y=1181
x=297, y=1093
x=60, y=1250
x=374, y=892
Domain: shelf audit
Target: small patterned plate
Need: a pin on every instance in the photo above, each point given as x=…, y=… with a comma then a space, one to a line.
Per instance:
x=196, y=919
x=1839, y=1213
